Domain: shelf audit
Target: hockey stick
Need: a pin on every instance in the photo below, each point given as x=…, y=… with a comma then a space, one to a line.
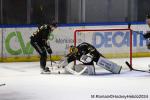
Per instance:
x=2, y=84
x=129, y=26
x=50, y=59
x=133, y=69
x=137, y=32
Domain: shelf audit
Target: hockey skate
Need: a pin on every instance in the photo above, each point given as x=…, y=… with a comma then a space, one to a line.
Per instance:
x=45, y=71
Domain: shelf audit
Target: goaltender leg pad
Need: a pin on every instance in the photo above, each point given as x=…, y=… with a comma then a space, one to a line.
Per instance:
x=69, y=68
x=80, y=69
x=90, y=69
x=63, y=63
x=109, y=65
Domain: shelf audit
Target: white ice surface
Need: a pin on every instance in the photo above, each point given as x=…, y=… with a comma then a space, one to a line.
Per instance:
x=24, y=82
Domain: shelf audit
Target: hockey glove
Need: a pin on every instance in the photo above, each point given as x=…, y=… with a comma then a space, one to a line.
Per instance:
x=49, y=50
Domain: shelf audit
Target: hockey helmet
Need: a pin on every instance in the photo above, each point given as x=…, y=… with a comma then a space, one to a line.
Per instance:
x=54, y=24
x=148, y=19
x=73, y=49
x=148, y=16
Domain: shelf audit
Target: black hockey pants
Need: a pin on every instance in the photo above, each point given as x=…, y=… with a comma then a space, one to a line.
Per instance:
x=42, y=52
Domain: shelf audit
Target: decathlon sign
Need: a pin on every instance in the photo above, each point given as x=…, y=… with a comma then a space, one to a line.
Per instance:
x=117, y=39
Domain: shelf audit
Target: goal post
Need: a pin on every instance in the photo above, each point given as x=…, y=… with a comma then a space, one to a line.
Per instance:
x=112, y=43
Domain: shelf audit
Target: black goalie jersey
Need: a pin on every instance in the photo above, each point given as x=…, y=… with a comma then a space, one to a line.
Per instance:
x=85, y=49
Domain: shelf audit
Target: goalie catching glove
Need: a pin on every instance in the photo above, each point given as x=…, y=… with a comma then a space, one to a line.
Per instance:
x=86, y=58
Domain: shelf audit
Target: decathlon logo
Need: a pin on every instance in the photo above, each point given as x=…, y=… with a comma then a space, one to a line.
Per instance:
x=117, y=39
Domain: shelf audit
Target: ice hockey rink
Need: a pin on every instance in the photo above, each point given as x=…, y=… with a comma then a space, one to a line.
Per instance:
x=23, y=81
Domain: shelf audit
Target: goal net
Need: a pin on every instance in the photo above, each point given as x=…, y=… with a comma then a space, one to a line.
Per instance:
x=114, y=44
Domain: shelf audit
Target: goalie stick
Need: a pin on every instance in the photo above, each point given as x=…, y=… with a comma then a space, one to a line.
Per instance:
x=133, y=69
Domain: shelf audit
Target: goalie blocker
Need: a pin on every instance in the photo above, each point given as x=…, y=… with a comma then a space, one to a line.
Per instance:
x=87, y=54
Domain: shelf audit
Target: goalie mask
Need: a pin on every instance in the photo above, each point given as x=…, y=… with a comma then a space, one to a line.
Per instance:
x=73, y=49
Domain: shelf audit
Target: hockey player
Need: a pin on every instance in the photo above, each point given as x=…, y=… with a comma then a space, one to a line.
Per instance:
x=147, y=35
x=39, y=41
x=87, y=54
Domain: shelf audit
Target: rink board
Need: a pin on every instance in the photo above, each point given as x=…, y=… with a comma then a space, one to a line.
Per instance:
x=16, y=42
